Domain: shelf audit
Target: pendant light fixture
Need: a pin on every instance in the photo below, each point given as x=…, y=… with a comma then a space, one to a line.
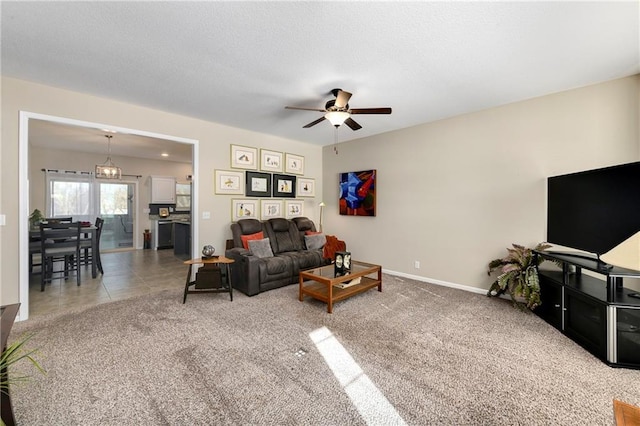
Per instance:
x=108, y=170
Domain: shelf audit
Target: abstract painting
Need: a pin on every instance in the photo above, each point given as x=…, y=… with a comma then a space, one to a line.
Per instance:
x=358, y=193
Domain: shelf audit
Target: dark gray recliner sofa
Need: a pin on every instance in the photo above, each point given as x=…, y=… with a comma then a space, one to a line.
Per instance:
x=252, y=274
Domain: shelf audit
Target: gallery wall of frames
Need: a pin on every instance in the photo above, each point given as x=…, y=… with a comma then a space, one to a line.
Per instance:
x=269, y=184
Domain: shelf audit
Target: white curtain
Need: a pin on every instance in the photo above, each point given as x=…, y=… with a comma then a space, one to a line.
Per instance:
x=71, y=193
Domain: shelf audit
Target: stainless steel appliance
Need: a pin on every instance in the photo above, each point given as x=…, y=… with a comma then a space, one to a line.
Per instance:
x=164, y=234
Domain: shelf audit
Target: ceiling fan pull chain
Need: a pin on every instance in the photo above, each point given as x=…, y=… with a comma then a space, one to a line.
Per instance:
x=335, y=141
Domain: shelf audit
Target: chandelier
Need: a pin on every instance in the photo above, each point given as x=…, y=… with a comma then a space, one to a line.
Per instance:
x=108, y=170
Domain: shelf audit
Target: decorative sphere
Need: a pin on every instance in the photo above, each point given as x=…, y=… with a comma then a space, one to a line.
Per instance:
x=208, y=251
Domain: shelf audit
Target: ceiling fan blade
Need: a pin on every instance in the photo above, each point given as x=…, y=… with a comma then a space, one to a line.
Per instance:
x=342, y=99
x=351, y=123
x=305, y=109
x=313, y=123
x=370, y=111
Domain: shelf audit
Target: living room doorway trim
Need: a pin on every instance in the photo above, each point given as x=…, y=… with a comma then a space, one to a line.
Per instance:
x=23, y=188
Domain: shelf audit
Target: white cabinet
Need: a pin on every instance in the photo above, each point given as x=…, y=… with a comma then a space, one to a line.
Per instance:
x=163, y=190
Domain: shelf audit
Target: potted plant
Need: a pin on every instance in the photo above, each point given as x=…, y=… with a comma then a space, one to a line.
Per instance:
x=35, y=218
x=14, y=353
x=518, y=275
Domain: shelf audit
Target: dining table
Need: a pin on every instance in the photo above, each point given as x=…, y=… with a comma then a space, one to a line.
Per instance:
x=89, y=231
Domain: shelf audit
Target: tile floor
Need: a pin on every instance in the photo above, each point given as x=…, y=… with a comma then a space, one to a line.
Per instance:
x=126, y=274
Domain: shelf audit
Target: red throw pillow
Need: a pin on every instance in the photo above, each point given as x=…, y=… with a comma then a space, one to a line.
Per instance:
x=246, y=238
x=312, y=233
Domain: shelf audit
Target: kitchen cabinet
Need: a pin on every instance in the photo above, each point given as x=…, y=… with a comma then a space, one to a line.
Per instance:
x=163, y=190
x=182, y=240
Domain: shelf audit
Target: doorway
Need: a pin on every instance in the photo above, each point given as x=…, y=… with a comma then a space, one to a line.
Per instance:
x=24, y=187
x=117, y=208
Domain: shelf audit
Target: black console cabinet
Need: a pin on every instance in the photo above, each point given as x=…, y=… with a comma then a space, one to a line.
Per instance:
x=594, y=310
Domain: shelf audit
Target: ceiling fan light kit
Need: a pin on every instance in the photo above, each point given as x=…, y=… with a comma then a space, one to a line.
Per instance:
x=337, y=111
x=337, y=118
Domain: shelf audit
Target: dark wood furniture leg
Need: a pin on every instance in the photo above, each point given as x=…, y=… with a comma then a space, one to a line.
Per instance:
x=94, y=254
x=186, y=285
x=229, y=281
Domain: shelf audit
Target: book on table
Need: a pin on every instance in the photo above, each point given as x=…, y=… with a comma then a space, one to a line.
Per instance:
x=349, y=283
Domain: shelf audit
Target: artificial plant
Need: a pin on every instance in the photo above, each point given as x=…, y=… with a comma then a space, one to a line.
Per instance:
x=35, y=218
x=518, y=275
x=14, y=353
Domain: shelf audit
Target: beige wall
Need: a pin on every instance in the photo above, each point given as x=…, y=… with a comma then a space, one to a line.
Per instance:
x=454, y=193
x=44, y=158
x=451, y=194
x=214, y=152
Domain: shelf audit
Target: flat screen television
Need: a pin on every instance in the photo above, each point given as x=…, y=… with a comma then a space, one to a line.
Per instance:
x=594, y=210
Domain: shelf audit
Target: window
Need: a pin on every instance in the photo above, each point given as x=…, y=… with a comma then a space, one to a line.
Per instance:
x=183, y=197
x=70, y=198
x=70, y=194
x=84, y=198
x=114, y=199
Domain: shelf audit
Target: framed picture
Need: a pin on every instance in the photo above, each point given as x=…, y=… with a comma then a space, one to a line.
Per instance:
x=229, y=182
x=258, y=184
x=270, y=161
x=243, y=209
x=293, y=208
x=294, y=164
x=284, y=186
x=271, y=208
x=306, y=187
x=358, y=193
x=244, y=157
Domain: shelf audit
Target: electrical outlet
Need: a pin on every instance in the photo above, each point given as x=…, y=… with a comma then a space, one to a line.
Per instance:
x=416, y=264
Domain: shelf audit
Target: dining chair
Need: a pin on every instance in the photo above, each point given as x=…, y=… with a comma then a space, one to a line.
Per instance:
x=85, y=247
x=34, y=251
x=34, y=243
x=59, y=242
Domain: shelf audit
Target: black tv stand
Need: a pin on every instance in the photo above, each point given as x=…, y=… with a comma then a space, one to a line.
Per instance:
x=593, y=309
x=603, y=265
x=588, y=256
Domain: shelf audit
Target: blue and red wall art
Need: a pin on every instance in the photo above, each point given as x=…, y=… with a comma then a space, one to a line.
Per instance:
x=358, y=193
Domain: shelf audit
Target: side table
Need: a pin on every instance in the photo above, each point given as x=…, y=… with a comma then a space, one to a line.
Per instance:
x=208, y=279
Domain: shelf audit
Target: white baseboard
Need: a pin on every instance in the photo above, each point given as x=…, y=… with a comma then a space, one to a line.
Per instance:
x=437, y=282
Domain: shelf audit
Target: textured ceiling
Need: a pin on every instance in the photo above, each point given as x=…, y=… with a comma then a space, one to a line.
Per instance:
x=240, y=63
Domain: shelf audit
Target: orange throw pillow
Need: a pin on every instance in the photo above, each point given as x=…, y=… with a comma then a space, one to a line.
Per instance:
x=246, y=238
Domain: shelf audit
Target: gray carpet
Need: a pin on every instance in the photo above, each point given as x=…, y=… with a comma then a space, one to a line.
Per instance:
x=416, y=353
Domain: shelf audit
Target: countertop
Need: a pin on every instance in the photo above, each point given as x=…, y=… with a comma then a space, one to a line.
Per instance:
x=177, y=218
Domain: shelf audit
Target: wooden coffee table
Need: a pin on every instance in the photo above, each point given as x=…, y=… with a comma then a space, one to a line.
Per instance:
x=322, y=284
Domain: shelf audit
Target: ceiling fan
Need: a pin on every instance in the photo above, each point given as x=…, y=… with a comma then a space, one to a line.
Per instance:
x=337, y=111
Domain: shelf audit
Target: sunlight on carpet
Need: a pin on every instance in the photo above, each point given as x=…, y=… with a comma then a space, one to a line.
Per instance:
x=372, y=405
